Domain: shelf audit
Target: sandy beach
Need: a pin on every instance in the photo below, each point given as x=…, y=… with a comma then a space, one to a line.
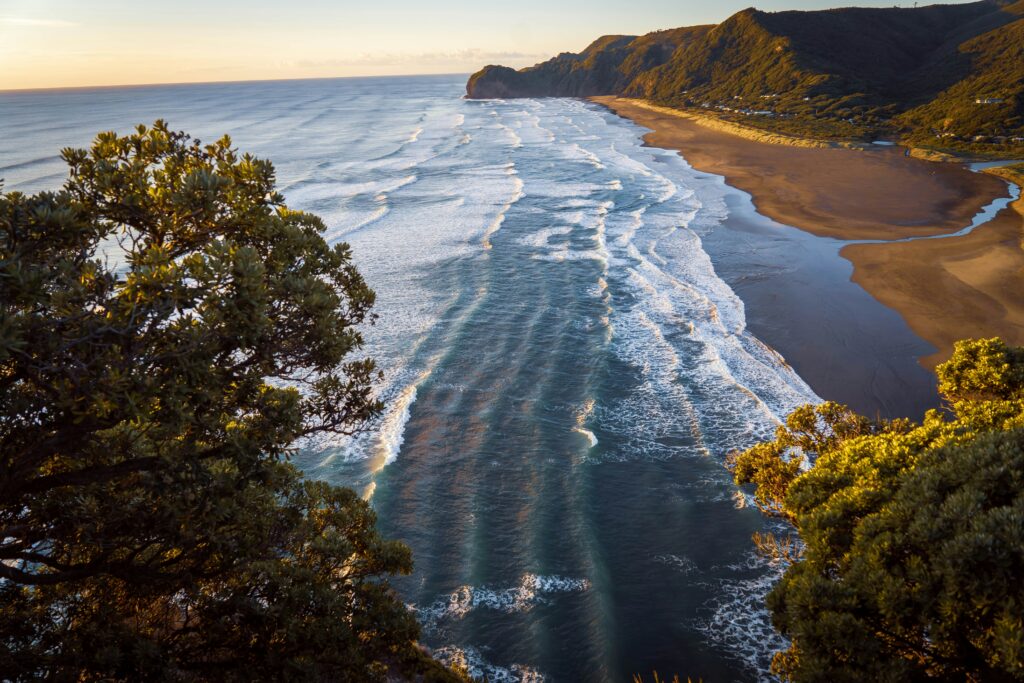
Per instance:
x=848, y=194
x=945, y=289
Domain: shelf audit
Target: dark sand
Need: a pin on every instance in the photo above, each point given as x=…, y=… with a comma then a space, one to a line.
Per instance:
x=812, y=305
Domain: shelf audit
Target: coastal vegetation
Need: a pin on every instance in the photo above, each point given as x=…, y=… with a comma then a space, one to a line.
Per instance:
x=908, y=549
x=169, y=329
x=941, y=78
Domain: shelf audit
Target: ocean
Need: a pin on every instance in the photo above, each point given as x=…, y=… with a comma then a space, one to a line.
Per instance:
x=565, y=371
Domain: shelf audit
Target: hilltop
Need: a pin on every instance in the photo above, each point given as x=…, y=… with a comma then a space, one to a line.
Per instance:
x=943, y=76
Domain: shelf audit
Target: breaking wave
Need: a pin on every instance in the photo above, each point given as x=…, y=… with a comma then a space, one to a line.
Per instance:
x=532, y=590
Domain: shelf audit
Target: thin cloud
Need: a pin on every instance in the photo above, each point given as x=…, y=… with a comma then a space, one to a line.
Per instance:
x=48, y=23
x=471, y=55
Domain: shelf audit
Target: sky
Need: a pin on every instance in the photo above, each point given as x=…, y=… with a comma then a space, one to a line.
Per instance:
x=75, y=43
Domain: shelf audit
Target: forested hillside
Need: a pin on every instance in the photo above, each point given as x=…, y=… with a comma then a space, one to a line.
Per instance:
x=943, y=76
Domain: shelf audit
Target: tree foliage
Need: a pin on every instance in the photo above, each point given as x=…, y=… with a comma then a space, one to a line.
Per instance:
x=168, y=330
x=912, y=535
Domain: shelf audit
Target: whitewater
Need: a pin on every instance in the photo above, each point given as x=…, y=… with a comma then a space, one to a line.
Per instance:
x=565, y=372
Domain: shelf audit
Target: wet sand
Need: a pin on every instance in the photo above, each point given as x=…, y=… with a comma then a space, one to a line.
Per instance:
x=954, y=288
x=804, y=300
x=799, y=300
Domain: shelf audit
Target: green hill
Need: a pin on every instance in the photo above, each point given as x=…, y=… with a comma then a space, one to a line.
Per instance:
x=608, y=65
x=944, y=76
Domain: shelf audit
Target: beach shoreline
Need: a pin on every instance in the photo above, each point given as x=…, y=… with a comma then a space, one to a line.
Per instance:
x=822, y=189
x=944, y=289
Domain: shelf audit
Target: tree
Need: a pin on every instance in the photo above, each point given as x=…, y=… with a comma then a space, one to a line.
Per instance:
x=168, y=330
x=910, y=556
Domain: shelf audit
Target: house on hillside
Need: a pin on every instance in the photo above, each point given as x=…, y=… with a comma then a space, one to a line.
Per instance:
x=989, y=100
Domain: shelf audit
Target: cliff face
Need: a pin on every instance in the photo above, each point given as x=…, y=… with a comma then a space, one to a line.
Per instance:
x=939, y=71
x=495, y=81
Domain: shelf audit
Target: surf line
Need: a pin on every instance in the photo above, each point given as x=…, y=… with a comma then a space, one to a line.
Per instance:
x=517, y=194
x=391, y=435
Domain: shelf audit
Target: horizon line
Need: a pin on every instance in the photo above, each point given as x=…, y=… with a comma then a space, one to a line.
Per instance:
x=45, y=89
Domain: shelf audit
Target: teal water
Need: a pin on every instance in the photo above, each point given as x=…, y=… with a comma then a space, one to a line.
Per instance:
x=565, y=369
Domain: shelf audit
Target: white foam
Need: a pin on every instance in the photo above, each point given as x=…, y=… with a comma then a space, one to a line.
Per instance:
x=514, y=139
x=564, y=254
x=739, y=625
x=532, y=590
x=586, y=155
x=682, y=564
x=589, y=435
x=392, y=429
x=470, y=660
x=572, y=192
x=541, y=238
x=334, y=233
x=495, y=224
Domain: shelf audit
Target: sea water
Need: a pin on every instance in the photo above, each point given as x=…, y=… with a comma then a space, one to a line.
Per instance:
x=565, y=372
